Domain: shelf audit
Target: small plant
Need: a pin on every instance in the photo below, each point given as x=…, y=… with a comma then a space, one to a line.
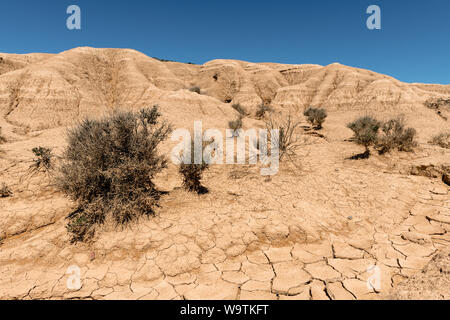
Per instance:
x=239, y=109
x=5, y=191
x=396, y=136
x=315, y=116
x=235, y=125
x=365, y=131
x=192, y=173
x=43, y=160
x=108, y=168
x=287, y=140
x=442, y=140
x=195, y=89
x=262, y=109
x=437, y=104
x=2, y=138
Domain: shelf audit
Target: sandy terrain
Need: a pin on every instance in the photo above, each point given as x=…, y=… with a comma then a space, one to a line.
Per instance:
x=309, y=232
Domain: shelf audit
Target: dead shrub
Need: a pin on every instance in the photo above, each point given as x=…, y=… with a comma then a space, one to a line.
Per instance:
x=442, y=140
x=43, y=160
x=235, y=125
x=438, y=105
x=315, y=116
x=108, y=167
x=240, y=109
x=396, y=136
x=365, y=131
x=195, y=89
x=287, y=140
x=262, y=109
x=193, y=172
x=2, y=138
x=5, y=191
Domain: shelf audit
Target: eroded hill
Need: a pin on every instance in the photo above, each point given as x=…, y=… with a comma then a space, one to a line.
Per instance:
x=309, y=232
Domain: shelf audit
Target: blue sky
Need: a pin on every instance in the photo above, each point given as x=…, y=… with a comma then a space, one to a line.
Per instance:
x=413, y=44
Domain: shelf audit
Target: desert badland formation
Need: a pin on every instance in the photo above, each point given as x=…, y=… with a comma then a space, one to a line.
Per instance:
x=309, y=232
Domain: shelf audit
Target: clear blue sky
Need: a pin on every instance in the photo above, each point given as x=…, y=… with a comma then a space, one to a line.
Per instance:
x=413, y=44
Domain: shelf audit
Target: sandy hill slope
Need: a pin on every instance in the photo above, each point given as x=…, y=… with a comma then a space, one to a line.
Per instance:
x=309, y=232
x=46, y=91
x=11, y=62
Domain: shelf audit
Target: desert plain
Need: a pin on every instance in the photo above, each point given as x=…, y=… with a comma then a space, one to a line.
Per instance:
x=315, y=230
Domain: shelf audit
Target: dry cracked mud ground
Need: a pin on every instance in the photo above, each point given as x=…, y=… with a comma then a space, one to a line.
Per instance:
x=319, y=229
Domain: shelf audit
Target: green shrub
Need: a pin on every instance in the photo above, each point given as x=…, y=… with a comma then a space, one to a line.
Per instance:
x=315, y=116
x=108, y=168
x=365, y=131
x=442, y=140
x=192, y=173
x=239, y=109
x=396, y=136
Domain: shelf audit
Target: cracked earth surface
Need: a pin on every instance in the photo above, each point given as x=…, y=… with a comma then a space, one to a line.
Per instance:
x=309, y=233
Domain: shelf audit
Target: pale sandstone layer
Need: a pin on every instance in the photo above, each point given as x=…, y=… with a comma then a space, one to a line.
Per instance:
x=309, y=232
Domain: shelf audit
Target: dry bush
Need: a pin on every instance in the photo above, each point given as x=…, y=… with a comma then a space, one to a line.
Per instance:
x=266, y=91
x=5, y=191
x=235, y=125
x=228, y=85
x=195, y=89
x=2, y=138
x=365, y=131
x=287, y=140
x=442, y=140
x=315, y=116
x=108, y=167
x=240, y=109
x=262, y=109
x=192, y=173
x=438, y=105
x=396, y=136
x=43, y=160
